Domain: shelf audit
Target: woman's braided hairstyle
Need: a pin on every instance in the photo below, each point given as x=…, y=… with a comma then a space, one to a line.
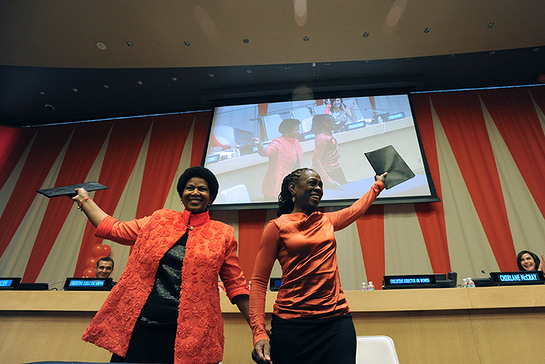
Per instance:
x=285, y=198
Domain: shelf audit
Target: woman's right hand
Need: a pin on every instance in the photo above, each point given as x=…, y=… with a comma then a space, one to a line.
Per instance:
x=381, y=177
x=262, y=352
x=89, y=207
x=81, y=194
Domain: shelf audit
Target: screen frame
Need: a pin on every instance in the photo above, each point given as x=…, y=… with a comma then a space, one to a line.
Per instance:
x=433, y=197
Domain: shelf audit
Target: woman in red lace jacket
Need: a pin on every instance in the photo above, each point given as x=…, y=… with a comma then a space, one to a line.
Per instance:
x=165, y=307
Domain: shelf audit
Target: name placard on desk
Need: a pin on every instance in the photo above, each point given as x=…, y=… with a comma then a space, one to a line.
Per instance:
x=420, y=281
x=410, y=281
x=88, y=284
x=517, y=278
x=9, y=282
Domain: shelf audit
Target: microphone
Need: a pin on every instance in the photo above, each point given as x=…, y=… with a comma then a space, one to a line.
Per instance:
x=484, y=272
x=53, y=283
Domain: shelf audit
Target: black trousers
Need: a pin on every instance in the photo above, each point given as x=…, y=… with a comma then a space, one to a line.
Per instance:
x=309, y=341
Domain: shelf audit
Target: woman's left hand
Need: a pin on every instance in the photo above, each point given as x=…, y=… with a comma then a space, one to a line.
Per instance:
x=382, y=177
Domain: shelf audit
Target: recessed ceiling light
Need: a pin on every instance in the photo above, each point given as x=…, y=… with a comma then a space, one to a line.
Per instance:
x=75, y=89
x=427, y=30
x=174, y=78
x=365, y=34
x=42, y=93
x=306, y=38
x=248, y=71
x=288, y=68
x=101, y=45
x=535, y=50
x=49, y=107
x=491, y=53
x=491, y=24
x=140, y=83
x=129, y=43
x=211, y=75
x=106, y=86
x=186, y=43
x=246, y=40
x=326, y=64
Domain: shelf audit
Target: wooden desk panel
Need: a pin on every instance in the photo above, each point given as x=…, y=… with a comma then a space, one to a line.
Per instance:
x=450, y=325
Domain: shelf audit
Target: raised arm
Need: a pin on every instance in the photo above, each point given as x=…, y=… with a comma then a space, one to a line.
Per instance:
x=86, y=204
x=264, y=261
x=342, y=218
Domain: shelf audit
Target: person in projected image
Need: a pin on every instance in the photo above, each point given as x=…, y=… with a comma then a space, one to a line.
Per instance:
x=326, y=159
x=341, y=113
x=165, y=308
x=311, y=321
x=528, y=261
x=285, y=154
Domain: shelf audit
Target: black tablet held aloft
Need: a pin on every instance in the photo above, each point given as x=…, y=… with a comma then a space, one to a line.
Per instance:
x=70, y=190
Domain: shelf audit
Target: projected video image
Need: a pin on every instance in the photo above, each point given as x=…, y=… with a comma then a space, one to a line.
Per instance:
x=252, y=147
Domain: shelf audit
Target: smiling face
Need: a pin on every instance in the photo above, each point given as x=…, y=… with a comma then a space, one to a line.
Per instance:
x=527, y=262
x=308, y=191
x=196, y=195
x=104, y=269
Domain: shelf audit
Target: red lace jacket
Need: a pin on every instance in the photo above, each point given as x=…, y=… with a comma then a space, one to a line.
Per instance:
x=211, y=249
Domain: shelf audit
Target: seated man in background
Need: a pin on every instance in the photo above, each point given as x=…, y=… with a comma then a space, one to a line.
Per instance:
x=104, y=268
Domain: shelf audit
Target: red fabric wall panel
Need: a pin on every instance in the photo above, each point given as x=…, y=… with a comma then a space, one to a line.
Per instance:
x=200, y=136
x=12, y=145
x=371, y=233
x=462, y=119
x=431, y=215
x=538, y=94
x=124, y=145
x=516, y=119
x=45, y=150
x=250, y=227
x=80, y=156
x=167, y=141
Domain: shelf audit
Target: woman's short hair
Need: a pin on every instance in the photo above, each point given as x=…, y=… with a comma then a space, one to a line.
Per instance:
x=319, y=120
x=285, y=198
x=204, y=173
x=287, y=125
x=537, y=261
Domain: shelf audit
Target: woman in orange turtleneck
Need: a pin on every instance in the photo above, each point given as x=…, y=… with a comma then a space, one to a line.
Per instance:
x=311, y=319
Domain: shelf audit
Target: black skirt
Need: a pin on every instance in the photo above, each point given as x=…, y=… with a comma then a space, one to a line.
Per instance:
x=313, y=340
x=149, y=344
x=153, y=337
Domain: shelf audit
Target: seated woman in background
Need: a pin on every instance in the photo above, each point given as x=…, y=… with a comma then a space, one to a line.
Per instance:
x=343, y=114
x=528, y=261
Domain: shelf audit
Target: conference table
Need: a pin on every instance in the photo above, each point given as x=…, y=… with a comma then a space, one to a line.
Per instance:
x=443, y=325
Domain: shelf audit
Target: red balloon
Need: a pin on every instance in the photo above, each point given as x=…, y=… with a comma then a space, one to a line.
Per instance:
x=91, y=262
x=97, y=250
x=100, y=250
x=88, y=273
x=106, y=250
